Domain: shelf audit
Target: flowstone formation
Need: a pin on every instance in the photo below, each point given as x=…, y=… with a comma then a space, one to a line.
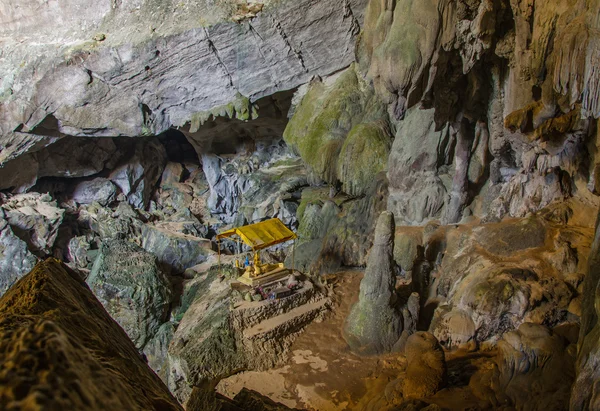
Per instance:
x=426, y=371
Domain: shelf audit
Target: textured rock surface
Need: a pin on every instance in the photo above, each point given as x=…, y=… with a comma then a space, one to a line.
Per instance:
x=133, y=88
x=100, y=190
x=340, y=131
x=374, y=325
x=474, y=122
x=123, y=222
x=35, y=218
x=585, y=390
x=529, y=272
x=176, y=251
x=251, y=188
x=56, y=336
x=15, y=258
x=138, y=175
x=132, y=288
x=533, y=369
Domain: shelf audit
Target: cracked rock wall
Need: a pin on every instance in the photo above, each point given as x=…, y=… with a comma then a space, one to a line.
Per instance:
x=141, y=85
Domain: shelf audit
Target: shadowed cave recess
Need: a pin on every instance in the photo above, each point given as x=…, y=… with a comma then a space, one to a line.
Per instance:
x=436, y=161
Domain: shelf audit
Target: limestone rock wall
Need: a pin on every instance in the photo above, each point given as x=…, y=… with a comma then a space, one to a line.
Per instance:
x=143, y=83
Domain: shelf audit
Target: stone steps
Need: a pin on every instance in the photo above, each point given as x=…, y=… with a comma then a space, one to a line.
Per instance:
x=249, y=314
x=288, y=322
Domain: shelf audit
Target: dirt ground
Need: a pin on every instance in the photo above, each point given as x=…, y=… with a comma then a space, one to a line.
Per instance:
x=321, y=373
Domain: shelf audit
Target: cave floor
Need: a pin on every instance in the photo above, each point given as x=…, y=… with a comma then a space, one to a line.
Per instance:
x=322, y=373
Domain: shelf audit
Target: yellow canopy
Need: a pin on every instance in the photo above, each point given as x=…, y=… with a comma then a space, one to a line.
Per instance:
x=261, y=235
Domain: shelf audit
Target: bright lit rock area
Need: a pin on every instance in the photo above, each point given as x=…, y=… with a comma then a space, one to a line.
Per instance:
x=320, y=205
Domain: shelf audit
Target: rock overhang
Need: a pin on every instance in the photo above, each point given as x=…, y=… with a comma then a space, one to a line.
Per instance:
x=145, y=87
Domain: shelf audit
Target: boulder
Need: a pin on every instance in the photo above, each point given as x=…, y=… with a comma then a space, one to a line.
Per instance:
x=100, y=190
x=61, y=350
x=426, y=371
x=204, y=346
x=124, y=222
x=77, y=251
x=454, y=328
x=374, y=324
x=175, y=196
x=15, y=258
x=175, y=246
x=35, y=218
x=133, y=289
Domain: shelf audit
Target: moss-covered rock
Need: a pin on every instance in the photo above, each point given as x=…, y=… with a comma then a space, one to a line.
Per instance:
x=363, y=155
x=325, y=117
x=132, y=288
x=204, y=346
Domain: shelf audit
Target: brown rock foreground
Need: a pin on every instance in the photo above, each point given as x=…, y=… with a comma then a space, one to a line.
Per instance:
x=61, y=350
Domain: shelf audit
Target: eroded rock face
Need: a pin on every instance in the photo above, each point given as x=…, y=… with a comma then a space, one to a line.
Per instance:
x=496, y=277
x=138, y=175
x=54, y=328
x=417, y=193
x=340, y=130
x=132, y=288
x=252, y=187
x=67, y=157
